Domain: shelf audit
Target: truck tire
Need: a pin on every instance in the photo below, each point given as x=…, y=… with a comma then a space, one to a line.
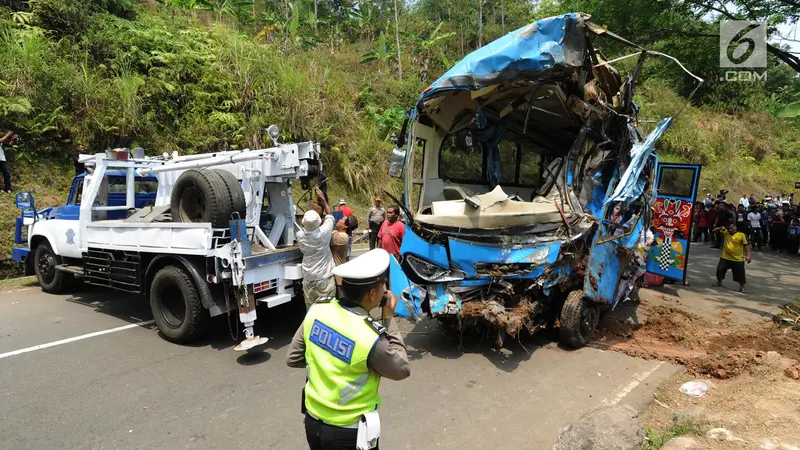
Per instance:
x=51, y=280
x=201, y=196
x=578, y=320
x=236, y=194
x=176, y=305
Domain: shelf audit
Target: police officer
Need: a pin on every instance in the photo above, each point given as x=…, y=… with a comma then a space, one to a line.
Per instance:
x=346, y=352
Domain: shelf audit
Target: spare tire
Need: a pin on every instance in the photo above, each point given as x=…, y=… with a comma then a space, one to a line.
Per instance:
x=201, y=196
x=236, y=194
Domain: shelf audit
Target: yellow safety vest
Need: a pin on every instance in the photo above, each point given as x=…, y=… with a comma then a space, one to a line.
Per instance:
x=340, y=386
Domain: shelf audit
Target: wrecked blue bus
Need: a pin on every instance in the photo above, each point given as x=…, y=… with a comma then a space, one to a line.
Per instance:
x=529, y=188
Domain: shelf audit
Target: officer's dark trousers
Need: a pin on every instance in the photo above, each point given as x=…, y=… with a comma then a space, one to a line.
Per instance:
x=321, y=436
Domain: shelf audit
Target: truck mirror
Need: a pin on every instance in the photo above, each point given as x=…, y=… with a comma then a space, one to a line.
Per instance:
x=396, y=162
x=24, y=200
x=401, y=137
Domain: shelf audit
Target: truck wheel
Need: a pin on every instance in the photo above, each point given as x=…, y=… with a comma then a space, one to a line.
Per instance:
x=45, y=261
x=201, y=196
x=578, y=320
x=176, y=305
x=235, y=190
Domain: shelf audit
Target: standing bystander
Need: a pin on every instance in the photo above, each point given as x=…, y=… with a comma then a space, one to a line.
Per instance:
x=724, y=217
x=711, y=214
x=744, y=201
x=79, y=166
x=8, y=139
x=392, y=232
x=339, y=239
x=754, y=218
x=735, y=251
x=701, y=222
x=348, y=211
x=793, y=237
x=375, y=217
x=741, y=220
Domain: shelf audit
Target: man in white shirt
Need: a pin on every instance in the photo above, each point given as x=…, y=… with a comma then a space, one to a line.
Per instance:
x=315, y=244
x=754, y=217
x=7, y=139
x=744, y=201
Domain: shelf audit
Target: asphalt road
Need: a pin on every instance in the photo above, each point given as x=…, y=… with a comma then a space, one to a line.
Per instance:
x=128, y=388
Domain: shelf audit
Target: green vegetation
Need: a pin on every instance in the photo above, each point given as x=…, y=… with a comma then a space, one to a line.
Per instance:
x=654, y=440
x=202, y=75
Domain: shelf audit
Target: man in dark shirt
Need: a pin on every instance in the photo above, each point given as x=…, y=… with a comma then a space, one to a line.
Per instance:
x=322, y=183
x=724, y=218
x=79, y=167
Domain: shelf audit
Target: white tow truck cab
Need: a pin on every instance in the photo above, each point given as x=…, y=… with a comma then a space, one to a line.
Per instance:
x=219, y=235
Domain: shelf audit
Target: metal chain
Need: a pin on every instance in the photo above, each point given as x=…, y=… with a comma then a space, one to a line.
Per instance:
x=235, y=336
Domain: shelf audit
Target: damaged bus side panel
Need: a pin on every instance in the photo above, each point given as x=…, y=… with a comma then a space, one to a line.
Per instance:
x=528, y=186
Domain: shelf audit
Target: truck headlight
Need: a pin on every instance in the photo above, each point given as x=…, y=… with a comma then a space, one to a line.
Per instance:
x=431, y=272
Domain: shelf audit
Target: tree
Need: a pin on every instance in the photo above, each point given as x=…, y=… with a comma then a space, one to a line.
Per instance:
x=480, y=23
x=379, y=53
x=428, y=47
x=397, y=38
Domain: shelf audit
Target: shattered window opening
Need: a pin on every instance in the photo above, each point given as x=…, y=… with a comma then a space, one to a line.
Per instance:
x=676, y=181
x=520, y=160
x=461, y=159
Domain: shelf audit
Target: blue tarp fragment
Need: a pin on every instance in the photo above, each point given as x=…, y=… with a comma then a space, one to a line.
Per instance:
x=630, y=187
x=552, y=43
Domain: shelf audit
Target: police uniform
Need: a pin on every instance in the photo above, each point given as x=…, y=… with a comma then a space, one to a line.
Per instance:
x=346, y=353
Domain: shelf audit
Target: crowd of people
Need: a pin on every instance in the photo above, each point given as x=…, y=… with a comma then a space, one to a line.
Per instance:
x=766, y=223
x=327, y=243
x=770, y=222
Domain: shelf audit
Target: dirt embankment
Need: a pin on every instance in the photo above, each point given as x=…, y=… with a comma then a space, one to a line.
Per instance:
x=719, y=348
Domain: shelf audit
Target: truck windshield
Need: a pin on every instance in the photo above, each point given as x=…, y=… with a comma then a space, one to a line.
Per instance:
x=116, y=185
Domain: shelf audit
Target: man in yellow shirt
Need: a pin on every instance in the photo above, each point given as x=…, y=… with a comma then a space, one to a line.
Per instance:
x=735, y=251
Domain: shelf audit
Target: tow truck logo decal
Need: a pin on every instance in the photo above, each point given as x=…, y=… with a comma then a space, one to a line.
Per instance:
x=71, y=236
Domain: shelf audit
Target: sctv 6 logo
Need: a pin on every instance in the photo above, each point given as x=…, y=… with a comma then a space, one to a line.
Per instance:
x=742, y=44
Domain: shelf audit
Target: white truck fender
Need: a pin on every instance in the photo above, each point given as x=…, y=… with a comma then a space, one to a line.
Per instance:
x=62, y=235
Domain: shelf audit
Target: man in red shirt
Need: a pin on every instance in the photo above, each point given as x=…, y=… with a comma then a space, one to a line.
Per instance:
x=392, y=231
x=348, y=211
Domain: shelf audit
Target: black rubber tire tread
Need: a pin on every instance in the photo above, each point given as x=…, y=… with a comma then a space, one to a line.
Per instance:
x=61, y=281
x=570, y=320
x=196, y=316
x=214, y=191
x=235, y=191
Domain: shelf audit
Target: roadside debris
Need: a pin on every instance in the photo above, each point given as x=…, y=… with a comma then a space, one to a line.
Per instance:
x=697, y=388
x=720, y=350
x=789, y=315
x=721, y=434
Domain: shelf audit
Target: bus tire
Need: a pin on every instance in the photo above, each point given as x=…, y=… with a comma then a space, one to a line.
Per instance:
x=578, y=320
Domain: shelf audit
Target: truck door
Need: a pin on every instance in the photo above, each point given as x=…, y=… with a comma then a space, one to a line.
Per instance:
x=673, y=209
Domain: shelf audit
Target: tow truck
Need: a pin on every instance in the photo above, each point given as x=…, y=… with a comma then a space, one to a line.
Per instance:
x=200, y=235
